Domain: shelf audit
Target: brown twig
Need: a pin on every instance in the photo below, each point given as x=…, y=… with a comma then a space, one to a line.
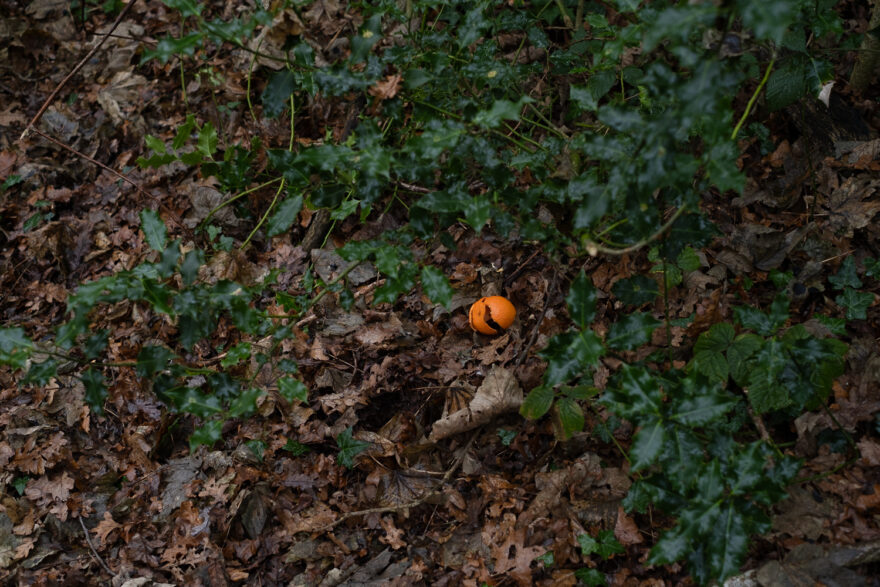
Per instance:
x=94, y=161
x=92, y=548
x=417, y=502
x=79, y=66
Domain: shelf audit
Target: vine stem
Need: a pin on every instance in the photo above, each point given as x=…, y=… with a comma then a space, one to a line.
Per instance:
x=594, y=248
x=753, y=98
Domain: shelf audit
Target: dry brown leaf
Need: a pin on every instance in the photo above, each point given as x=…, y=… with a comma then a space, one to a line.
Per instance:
x=387, y=88
x=847, y=207
x=500, y=393
x=105, y=527
x=393, y=535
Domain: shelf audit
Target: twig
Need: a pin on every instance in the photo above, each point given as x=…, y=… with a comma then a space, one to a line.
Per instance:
x=396, y=508
x=96, y=162
x=92, y=548
x=79, y=66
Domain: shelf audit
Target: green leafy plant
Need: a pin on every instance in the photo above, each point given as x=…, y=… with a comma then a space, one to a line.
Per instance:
x=468, y=138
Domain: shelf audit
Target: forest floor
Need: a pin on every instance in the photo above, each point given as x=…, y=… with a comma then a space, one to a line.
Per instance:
x=90, y=500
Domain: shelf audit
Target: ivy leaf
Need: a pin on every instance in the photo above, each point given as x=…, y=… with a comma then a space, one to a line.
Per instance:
x=636, y=290
x=437, y=286
x=349, y=447
x=284, y=216
x=581, y=300
x=846, y=276
x=605, y=544
x=154, y=229
x=855, y=302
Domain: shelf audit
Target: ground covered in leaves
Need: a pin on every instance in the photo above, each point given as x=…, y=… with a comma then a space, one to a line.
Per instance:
x=441, y=496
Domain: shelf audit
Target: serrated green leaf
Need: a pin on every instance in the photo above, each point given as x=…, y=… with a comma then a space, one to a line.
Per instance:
x=207, y=434
x=741, y=350
x=647, y=445
x=636, y=290
x=570, y=416
x=632, y=331
x=717, y=338
x=193, y=401
x=236, y=354
x=15, y=347
x=245, y=404
x=500, y=111
x=154, y=229
x=581, y=301
x=276, y=96
x=477, y=212
x=207, y=143
x=688, y=260
x=96, y=393
x=168, y=47
x=635, y=395
x=180, y=137
x=537, y=402
x=189, y=269
x=571, y=353
x=788, y=83
x=186, y=7
x=702, y=409
x=437, y=286
x=284, y=215
x=293, y=390
x=41, y=373
x=152, y=359
x=765, y=393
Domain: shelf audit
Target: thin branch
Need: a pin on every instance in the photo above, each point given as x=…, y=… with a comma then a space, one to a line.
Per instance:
x=417, y=502
x=96, y=162
x=92, y=548
x=79, y=66
x=594, y=248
